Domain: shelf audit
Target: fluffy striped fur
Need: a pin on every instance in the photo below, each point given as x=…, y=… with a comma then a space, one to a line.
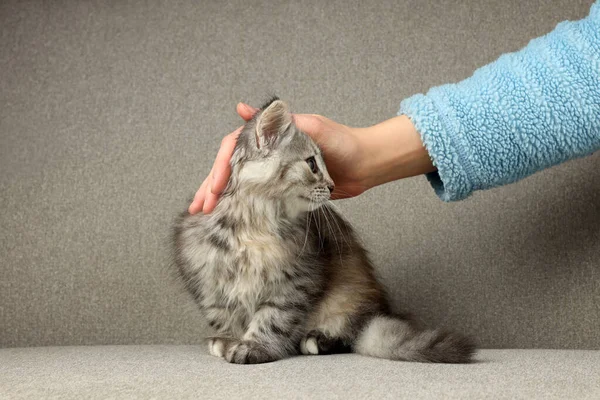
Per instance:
x=277, y=271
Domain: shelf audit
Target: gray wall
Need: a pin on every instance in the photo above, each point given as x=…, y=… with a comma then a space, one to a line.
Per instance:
x=110, y=116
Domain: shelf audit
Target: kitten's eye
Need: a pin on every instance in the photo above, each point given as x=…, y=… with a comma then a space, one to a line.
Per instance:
x=312, y=164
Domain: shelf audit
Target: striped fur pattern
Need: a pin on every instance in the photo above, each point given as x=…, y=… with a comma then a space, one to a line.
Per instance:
x=277, y=271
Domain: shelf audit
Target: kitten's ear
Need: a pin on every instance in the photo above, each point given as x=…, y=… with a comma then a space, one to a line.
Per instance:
x=272, y=122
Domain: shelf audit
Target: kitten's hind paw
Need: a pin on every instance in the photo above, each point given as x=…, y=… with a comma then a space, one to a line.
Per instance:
x=316, y=342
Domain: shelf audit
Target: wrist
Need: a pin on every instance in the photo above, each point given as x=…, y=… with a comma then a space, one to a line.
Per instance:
x=393, y=150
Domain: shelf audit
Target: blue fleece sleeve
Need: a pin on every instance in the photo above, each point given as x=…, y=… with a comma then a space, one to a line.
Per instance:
x=525, y=112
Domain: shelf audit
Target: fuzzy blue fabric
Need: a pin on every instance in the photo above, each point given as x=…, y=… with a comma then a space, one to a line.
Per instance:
x=525, y=112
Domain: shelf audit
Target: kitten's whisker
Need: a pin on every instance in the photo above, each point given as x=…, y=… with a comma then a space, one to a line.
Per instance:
x=343, y=192
x=332, y=234
x=340, y=191
x=318, y=224
x=358, y=186
x=308, y=221
x=342, y=233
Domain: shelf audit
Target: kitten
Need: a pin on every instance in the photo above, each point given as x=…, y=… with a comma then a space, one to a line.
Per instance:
x=277, y=271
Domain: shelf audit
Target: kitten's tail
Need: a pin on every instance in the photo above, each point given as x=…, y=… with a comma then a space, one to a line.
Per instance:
x=397, y=339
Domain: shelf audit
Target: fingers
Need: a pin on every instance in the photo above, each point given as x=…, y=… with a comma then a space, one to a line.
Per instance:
x=204, y=200
x=314, y=125
x=221, y=167
x=210, y=198
x=207, y=196
x=199, y=197
x=245, y=111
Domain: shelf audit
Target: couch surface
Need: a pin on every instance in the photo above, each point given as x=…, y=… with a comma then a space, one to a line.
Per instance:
x=111, y=114
x=187, y=372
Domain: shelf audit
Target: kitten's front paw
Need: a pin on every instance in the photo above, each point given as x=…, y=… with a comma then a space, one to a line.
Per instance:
x=217, y=346
x=248, y=353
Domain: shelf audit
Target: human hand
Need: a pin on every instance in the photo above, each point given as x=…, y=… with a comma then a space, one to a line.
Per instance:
x=357, y=159
x=340, y=144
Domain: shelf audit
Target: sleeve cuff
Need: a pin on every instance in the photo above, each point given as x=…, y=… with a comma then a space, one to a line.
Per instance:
x=453, y=179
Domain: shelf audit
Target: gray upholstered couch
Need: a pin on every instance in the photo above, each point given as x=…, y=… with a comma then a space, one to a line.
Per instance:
x=110, y=115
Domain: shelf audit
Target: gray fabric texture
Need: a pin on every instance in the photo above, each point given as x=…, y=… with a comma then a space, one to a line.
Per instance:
x=111, y=114
x=129, y=372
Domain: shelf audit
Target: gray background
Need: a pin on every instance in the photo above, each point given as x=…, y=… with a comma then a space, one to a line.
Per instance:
x=111, y=114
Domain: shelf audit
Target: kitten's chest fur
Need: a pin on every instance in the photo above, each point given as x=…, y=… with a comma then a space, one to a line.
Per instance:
x=256, y=260
x=239, y=262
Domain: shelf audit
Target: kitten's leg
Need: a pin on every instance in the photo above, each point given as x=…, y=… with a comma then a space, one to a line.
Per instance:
x=221, y=319
x=218, y=318
x=273, y=333
x=351, y=299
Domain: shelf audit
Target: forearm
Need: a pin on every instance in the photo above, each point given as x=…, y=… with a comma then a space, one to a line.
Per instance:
x=393, y=150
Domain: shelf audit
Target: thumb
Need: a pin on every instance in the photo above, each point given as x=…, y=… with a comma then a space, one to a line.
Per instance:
x=314, y=125
x=245, y=111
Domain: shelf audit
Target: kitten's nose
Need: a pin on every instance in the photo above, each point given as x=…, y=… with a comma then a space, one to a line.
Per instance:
x=331, y=187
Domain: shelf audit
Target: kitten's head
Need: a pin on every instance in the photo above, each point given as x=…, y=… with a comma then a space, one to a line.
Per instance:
x=274, y=159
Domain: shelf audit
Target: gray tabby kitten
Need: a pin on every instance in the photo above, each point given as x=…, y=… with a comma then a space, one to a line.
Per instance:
x=276, y=271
